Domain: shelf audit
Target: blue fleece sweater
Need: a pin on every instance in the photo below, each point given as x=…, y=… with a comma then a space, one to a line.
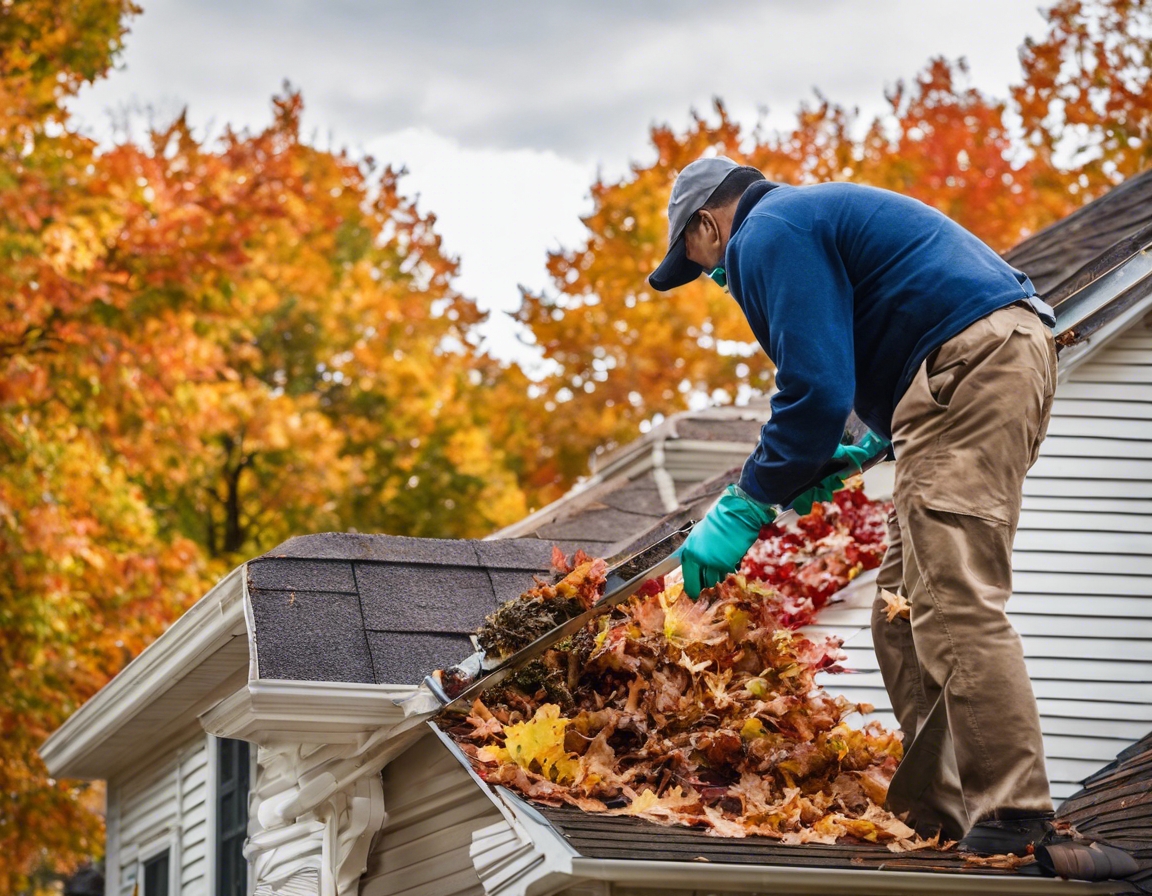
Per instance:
x=848, y=288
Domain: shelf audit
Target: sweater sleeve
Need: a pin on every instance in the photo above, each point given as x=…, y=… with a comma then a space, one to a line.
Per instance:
x=793, y=282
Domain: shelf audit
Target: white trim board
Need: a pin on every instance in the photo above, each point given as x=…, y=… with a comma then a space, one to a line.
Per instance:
x=267, y=710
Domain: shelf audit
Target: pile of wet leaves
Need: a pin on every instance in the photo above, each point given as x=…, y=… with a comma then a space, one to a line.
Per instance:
x=703, y=713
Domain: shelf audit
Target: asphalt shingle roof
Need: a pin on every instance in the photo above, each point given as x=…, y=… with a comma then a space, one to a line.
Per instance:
x=380, y=608
x=1059, y=251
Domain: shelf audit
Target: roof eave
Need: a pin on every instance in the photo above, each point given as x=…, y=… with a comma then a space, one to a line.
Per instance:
x=77, y=748
x=525, y=855
x=267, y=710
x=1090, y=317
x=547, y=862
x=642, y=876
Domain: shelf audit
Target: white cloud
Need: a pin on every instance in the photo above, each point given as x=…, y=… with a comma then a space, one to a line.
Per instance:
x=498, y=210
x=503, y=112
x=505, y=205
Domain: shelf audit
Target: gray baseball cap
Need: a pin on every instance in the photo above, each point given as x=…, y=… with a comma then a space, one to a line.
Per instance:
x=694, y=185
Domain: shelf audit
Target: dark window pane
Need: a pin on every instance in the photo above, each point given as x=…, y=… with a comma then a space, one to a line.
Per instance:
x=156, y=875
x=231, y=818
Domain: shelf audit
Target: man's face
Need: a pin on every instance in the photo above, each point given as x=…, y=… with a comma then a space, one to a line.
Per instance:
x=704, y=240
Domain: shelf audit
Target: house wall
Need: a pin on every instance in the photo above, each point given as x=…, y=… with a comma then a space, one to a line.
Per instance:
x=162, y=804
x=1082, y=600
x=433, y=808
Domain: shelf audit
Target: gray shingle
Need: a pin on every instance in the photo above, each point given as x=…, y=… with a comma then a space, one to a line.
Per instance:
x=406, y=657
x=598, y=524
x=639, y=496
x=1058, y=251
x=382, y=548
x=310, y=636
x=514, y=553
x=713, y=430
x=643, y=540
x=509, y=584
x=505, y=553
x=303, y=575
x=589, y=547
x=411, y=598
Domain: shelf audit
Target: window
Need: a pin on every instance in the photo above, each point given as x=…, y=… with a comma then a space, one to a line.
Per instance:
x=231, y=817
x=156, y=875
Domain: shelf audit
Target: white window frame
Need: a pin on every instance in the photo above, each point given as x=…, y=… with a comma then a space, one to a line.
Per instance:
x=212, y=770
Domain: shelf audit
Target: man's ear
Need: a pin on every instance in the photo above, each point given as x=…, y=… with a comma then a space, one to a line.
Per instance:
x=709, y=226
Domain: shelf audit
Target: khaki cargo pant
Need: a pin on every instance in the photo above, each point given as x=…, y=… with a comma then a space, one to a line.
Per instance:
x=964, y=434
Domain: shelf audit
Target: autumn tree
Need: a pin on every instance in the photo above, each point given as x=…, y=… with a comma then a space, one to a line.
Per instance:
x=1085, y=99
x=296, y=313
x=81, y=557
x=624, y=354
x=204, y=349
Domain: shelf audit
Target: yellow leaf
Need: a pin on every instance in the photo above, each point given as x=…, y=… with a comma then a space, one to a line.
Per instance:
x=648, y=803
x=538, y=744
x=753, y=728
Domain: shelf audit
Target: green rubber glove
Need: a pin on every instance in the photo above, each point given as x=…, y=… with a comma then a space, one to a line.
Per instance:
x=718, y=543
x=869, y=447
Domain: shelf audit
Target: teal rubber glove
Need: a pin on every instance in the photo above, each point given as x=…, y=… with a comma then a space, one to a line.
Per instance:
x=856, y=455
x=718, y=543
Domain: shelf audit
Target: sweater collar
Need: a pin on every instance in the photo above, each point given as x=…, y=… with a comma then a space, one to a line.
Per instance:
x=748, y=201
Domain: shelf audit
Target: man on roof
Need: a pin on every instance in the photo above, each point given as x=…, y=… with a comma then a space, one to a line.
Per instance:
x=870, y=301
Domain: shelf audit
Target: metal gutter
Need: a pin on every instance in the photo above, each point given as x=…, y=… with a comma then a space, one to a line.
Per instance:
x=636, y=876
x=266, y=710
x=1088, y=315
x=1102, y=299
x=1112, y=320
x=1097, y=295
x=1112, y=257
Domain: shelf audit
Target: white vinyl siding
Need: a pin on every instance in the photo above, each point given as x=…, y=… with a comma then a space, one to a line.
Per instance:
x=433, y=808
x=163, y=802
x=194, y=833
x=1082, y=599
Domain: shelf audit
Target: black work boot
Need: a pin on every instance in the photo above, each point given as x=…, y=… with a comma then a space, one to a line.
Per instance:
x=996, y=837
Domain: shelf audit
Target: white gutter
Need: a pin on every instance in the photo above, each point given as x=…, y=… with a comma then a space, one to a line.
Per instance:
x=637, y=876
x=1093, y=298
x=544, y=862
x=268, y=709
x=1075, y=355
x=77, y=748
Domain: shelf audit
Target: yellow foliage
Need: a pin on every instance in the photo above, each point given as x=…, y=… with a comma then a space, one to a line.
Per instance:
x=538, y=744
x=753, y=728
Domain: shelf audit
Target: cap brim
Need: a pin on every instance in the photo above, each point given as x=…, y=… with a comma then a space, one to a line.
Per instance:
x=675, y=270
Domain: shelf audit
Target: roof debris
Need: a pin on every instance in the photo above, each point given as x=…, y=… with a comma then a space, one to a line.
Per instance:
x=702, y=713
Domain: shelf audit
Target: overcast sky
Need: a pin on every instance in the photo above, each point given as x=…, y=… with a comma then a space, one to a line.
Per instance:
x=503, y=112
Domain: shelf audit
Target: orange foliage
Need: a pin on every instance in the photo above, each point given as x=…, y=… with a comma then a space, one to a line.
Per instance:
x=625, y=353
x=205, y=349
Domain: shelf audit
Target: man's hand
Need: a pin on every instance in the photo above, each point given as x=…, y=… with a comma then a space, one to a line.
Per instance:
x=854, y=456
x=719, y=542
